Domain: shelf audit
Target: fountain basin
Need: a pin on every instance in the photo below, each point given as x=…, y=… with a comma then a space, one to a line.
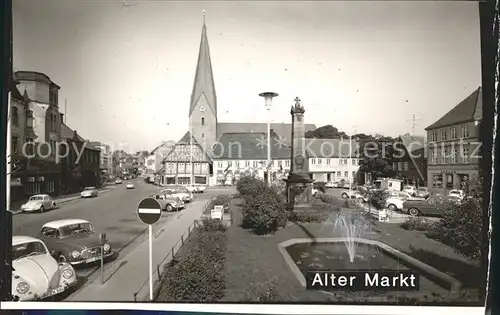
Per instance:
x=302, y=254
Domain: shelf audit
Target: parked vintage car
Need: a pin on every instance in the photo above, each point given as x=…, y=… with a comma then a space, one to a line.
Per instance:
x=356, y=193
x=118, y=181
x=412, y=190
x=180, y=192
x=457, y=193
x=130, y=186
x=168, y=202
x=36, y=274
x=217, y=213
x=39, y=203
x=89, y=192
x=430, y=206
x=423, y=192
x=396, y=199
x=74, y=241
x=196, y=188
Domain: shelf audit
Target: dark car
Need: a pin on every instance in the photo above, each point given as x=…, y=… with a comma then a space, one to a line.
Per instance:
x=74, y=241
x=422, y=192
x=429, y=206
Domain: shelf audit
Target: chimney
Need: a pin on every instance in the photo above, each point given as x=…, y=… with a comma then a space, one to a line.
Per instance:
x=62, y=117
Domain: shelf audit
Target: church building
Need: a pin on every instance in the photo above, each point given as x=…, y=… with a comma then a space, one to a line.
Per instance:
x=217, y=153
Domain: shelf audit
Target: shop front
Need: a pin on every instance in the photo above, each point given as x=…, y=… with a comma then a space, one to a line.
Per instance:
x=443, y=178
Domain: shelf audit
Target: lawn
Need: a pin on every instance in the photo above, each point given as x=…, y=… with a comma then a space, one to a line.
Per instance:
x=254, y=265
x=255, y=270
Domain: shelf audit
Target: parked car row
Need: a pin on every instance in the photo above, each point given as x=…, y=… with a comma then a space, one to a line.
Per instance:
x=43, y=266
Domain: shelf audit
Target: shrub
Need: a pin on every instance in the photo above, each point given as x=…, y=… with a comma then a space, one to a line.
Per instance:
x=417, y=224
x=264, y=292
x=199, y=274
x=264, y=210
x=321, y=186
x=461, y=225
x=377, y=198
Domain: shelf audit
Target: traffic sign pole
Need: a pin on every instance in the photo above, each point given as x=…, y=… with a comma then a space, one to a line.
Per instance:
x=149, y=212
x=150, y=262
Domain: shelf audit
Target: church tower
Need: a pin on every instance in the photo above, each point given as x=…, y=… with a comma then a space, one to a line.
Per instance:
x=203, y=106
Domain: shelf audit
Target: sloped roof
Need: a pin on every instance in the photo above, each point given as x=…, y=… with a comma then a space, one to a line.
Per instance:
x=284, y=130
x=330, y=148
x=204, y=79
x=15, y=94
x=467, y=110
x=249, y=146
x=412, y=143
x=68, y=133
x=186, y=141
x=33, y=76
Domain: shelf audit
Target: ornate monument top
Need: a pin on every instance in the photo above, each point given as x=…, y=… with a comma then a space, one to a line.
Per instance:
x=298, y=108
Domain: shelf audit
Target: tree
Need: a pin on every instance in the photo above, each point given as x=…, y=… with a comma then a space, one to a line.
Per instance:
x=326, y=132
x=375, y=154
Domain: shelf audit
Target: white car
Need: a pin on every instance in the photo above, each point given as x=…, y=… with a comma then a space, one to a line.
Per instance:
x=412, y=190
x=330, y=185
x=36, y=274
x=118, y=181
x=130, y=186
x=181, y=193
x=89, y=192
x=457, y=193
x=38, y=203
x=354, y=194
x=394, y=203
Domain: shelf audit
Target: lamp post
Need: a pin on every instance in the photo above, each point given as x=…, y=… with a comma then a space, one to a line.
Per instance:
x=268, y=97
x=350, y=163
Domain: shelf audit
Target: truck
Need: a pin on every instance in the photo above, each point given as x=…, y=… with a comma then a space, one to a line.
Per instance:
x=388, y=183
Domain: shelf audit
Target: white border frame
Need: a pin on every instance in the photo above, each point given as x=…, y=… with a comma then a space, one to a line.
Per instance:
x=255, y=308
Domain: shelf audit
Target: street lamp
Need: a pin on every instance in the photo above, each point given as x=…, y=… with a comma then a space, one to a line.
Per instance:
x=268, y=97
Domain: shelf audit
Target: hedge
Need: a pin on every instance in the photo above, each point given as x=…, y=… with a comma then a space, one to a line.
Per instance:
x=264, y=209
x=461, y=224
x=198, y=275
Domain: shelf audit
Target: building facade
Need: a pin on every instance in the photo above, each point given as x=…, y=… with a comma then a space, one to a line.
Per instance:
x=81, y=165
x=332, y=160
x=106, y=159
x=453, y=147
x=186, y=163
x=410, y=161
x=42, y=172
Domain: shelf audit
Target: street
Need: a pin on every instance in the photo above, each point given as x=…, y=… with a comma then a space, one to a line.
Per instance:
x=113, y=212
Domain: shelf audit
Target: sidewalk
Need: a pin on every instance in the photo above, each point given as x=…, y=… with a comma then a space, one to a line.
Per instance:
x=16, y=205
x=127, y=274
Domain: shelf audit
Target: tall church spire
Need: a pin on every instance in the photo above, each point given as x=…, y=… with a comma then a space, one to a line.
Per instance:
x=204, y=86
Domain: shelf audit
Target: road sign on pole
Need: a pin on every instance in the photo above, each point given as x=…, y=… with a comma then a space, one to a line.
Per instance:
x=149, y=211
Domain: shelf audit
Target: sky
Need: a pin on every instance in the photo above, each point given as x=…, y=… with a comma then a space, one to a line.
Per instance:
x=127, y=71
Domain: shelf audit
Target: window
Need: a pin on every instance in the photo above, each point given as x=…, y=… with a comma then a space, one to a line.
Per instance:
x=453, y=133
x=219, y=164
x=453, y=156
x=313, y=161
x=255, y=163
x=400, y=166
x=247, y=163
x=449, y=180
x=15, y=116
x=345, y=161
x=346, y=174
x=394, y=165
x=319, y=161
x=405, y=166
x=465, y=131
x=237, y=163
x=203, y=121
x=280, y=163
x=353, y=174
x=50, y=186
x=465, y=155
x=434, y=136
x=327, y=161
x=203, y=136
x=287, y=163
x=338, y=174
x=444, y=158
x=443, y=135
x=354, y=162
x=14, y=144
x=437, y=180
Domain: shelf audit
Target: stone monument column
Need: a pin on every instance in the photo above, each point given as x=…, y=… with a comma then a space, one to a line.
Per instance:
x=299, y=183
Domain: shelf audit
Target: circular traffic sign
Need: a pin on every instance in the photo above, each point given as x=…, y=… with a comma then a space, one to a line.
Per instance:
x=149, y=210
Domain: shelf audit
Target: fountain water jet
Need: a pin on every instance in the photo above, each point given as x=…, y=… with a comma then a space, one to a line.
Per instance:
x=351, y=226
